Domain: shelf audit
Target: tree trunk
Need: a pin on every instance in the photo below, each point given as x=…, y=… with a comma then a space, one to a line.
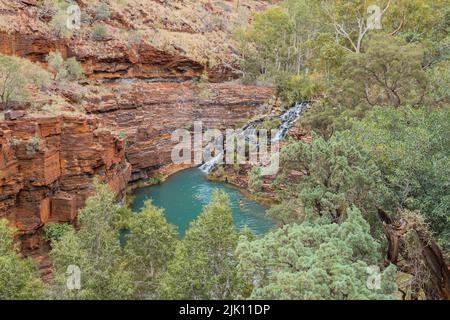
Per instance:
x=431, y=256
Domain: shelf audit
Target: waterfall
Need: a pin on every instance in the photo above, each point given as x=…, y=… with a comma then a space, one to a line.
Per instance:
x=288, y=119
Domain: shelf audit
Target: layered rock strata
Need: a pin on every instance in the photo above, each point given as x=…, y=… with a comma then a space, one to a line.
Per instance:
x=47, y=168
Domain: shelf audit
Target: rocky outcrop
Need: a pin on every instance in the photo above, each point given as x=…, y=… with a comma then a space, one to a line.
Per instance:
x=109, y=60
x=170, y=41
x=47, y=167
x=31, y=46
x=119, y=61
x=48, y=164
x=148, y=113
x=139, y=87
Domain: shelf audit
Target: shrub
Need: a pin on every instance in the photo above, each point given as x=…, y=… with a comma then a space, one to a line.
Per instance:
x=14, y=142
x=17, y=75
x=19, y=278
x=55, y=231
x=254, y=179
x=56, y=64
x=270, y=123
x=33, y=146
x=219, y=22
x=48, y=8
x=64, y=70
x=102, y=12
x=58, y=25
x=297, y=88
x=74, y=69
x=99, y=33
x=134, y=37
x=123, y=136
x=204, y=78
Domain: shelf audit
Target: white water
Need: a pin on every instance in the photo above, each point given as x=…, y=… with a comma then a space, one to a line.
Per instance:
x=288, y=119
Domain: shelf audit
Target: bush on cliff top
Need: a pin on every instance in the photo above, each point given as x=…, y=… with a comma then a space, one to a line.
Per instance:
x=18, y=77
x=64, y=70
x=99, y=33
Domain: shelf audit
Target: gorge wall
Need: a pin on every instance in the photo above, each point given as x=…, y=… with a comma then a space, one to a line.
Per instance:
x=148, y=113
x=47, y=169
x=132, y=98
x=48, y=163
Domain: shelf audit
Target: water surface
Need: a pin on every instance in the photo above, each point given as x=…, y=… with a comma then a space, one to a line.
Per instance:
x=184, y=194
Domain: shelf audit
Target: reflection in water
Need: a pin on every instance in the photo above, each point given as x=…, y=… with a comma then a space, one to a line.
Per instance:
x=184, y=195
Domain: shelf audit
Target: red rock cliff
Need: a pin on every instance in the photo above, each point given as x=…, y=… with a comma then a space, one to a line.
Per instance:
x=149, y=113
x=143, y=90
x=47, y=166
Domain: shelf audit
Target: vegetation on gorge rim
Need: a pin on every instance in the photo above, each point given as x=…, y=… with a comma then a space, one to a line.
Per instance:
x=380, y=116
x=372, y=189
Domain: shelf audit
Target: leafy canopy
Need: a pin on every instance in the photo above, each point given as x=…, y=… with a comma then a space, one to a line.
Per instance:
x=318, y=260
x=19, y=279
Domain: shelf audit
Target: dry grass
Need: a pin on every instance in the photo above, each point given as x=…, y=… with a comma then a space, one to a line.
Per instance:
x=199, y=29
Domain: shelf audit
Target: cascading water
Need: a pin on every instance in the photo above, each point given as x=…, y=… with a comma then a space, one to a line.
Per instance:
x=287, y=121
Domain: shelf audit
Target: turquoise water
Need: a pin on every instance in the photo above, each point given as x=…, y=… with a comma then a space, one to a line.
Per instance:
x=184, y=194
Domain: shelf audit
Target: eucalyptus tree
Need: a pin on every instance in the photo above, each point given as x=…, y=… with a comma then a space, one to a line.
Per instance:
x=150, y=246
x=204, y=266
x=92, y=255
x=19, y=277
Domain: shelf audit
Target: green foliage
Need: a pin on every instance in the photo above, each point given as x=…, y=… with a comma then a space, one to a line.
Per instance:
x=64, y=70
x=56, y=65
x=33, y=146
x=14, y=141
x=122, y=135
x=48, y=7
x=204, y=78
x=439, y=84
x=332, y=40
x=74, y=69
x=151, y=181
x=388, y=73
x=134, y=38
x=297, y=88
x=99, y=33
x=17, y=75
x=264, y=44
x=336, y=175
x=219, y=22
x=204, y=266
x=55, y=61
x=19, y=279
x=102, y=12
x=58, y=25
x=270, y=123
x=95, y=249
x=156, y=179
x=255, y=179
x=55, y=231
x=315, y=261
x=412, y=149
x=150, y=246
x=325, y=119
